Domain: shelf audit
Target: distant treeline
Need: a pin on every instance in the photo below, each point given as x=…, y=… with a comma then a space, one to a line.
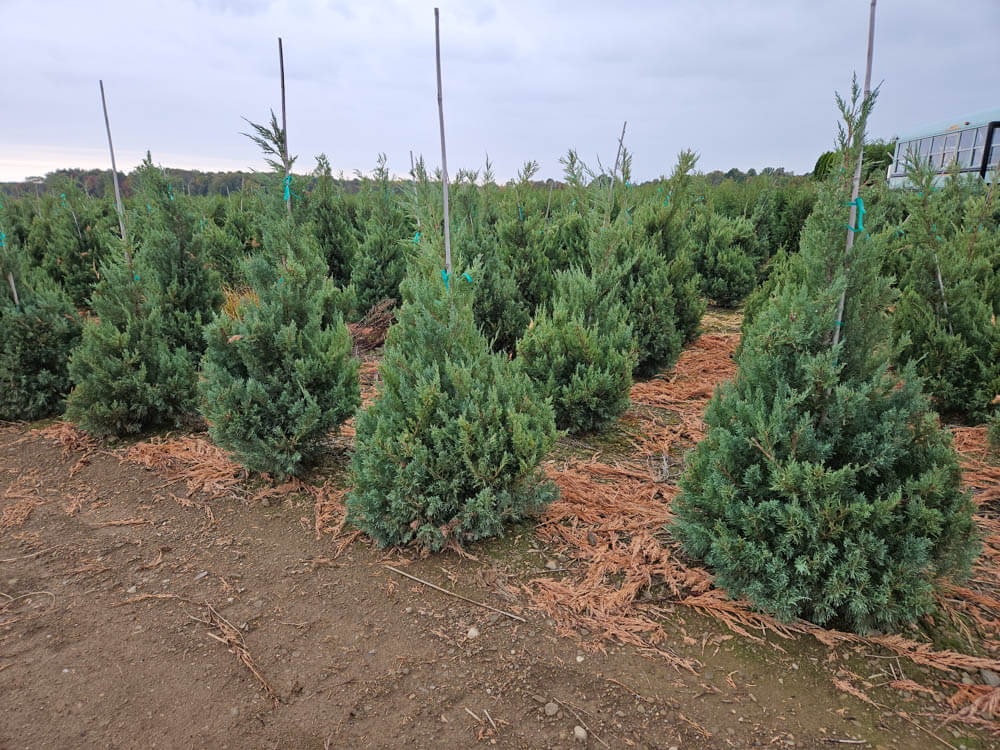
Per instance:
x=97, y=182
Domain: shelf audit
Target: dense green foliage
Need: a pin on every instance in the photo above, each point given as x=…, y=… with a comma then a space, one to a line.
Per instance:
x=449, y=449
x=626, y=263
x=581, y=352
x=380, y=263
x=722, y=258
x=38, y=330
x=331, y=222
x=278, y=374
x=136, y=365
x=947, y=254
x=68, y=240
x=826, y=487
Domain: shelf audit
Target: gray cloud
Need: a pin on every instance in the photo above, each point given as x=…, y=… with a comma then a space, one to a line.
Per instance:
x=743, y=83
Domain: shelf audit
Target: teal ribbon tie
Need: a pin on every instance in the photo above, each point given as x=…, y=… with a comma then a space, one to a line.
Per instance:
x=520, y=213
x=170, y=191
x=2, y=238
x=63, y=196
x=416, y=237
x=861, y=214
x=445, y=275
x=288, y=188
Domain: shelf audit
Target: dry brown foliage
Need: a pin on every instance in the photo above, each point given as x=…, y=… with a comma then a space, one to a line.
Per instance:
x=203, y=466
x=369, y=333
x=70, y=437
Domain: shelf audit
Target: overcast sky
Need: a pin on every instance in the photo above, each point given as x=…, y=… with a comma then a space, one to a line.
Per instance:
x=745, y=84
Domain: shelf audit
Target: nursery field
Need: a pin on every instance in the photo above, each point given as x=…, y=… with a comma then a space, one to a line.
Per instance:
x=153, y=589
x=706, y=461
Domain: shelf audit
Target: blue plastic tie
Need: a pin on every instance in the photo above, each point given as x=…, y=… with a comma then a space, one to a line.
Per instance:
x=2, y=238
x=137, y=277
x=63, y=196
x=281, y=279
x=520, y=212
x=170, y=191
x=444, y=275
x=416, y=237
x=467, y=277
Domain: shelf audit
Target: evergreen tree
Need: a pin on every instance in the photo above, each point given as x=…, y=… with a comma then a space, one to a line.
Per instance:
x=722, y=257
x=38, y=328
x=566, y=241
x=625, y=262
x=500, y=311
x=380, y=263
x=136, y=365
x=332, y=225
x=826, y=487
x=69, y=240
x=522, y=252
x=949, y=247
x=666, y=224
x=582, y=352
x=278, y=373
x=450, y=447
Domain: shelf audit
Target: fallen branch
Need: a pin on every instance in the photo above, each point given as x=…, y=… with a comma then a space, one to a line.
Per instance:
x=457, y=596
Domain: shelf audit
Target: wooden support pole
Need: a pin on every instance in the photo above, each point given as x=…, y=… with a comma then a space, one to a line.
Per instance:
x=284, y=127
x=839, y=325
x=13, y=288
x=114, y=178
x=444, y=154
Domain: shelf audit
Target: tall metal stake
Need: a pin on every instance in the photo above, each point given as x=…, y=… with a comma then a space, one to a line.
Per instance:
x=444, y=156
x=114, y=178
x=857, y=175
x=284, y=128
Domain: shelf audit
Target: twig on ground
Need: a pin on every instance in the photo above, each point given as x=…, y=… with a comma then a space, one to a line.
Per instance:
x=12, y=599
x=569, y=707
x=457, y=596
x=490, y=718
x=28, y=557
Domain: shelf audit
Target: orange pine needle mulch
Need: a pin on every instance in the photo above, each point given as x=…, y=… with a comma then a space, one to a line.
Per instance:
x=204, y=466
